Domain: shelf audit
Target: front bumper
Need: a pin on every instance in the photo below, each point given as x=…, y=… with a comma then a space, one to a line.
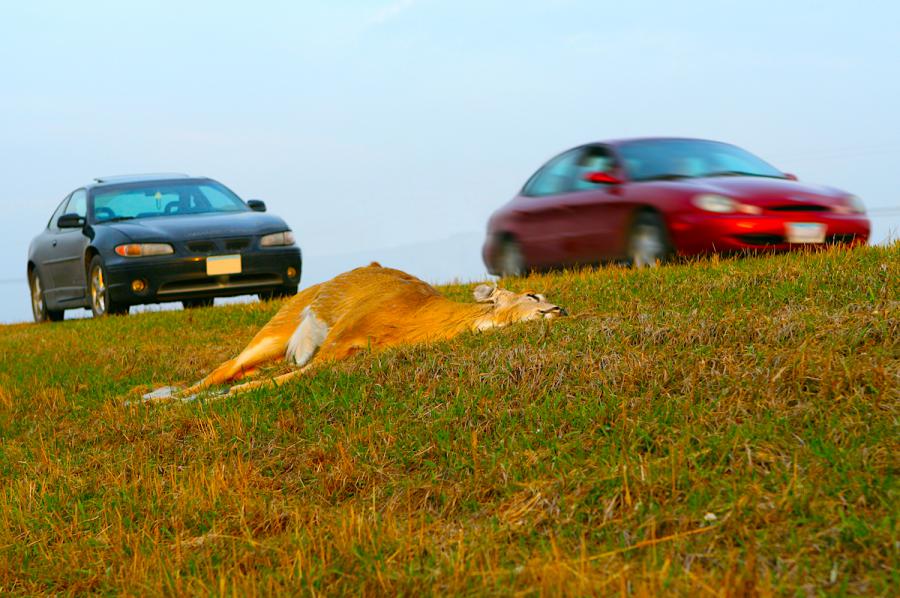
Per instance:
x=178, y=277
x=696, y=233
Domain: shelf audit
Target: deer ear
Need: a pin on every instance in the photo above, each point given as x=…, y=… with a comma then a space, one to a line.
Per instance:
x=485, y=293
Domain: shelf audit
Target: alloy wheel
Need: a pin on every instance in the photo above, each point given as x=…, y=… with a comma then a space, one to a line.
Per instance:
x=98, y=291
x=37, y=297
x=648, y=247
x=511, y=262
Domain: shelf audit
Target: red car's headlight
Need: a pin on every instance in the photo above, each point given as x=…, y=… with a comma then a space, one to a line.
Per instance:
x=712, y=202
x=856, y=205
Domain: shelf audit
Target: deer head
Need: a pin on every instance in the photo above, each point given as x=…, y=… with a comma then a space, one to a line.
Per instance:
x=509, y=307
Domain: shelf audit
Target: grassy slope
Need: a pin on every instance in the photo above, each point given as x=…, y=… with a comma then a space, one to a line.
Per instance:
x=719, y=425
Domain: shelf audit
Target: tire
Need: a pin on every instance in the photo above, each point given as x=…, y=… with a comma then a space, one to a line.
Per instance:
x=196, y=303
x=38, y=304
x=511, y=262
x=279, y=293
x=98, y=292
x=648, y=241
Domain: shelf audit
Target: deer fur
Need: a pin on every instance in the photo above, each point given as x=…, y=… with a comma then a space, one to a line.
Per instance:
x=367, y=308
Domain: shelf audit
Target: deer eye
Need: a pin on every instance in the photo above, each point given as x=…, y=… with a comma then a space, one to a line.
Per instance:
x=533, y=296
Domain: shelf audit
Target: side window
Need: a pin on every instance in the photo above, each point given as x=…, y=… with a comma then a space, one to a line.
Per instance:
x=555, y=177
x=59, y=212
x=77, y=204
x=594, y=159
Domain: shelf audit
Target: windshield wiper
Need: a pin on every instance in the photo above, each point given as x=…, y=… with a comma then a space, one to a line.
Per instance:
x=741, y=173
x=116, y=219
x=665, y=177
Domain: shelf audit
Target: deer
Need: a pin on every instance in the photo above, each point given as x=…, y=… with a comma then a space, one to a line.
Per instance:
x=368, y=308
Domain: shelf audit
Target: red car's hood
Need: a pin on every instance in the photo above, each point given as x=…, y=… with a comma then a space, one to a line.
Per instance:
x=765, y=190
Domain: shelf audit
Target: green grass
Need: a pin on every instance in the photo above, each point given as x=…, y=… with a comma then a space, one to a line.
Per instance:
x=724, y=427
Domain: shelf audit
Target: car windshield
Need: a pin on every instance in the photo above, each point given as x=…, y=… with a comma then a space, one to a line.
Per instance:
x=164, y=198
x=673, y=159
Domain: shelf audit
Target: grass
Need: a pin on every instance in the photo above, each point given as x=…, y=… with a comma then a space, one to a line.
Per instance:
x=728, y=427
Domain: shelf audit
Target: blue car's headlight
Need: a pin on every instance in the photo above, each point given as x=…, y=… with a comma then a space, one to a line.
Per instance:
x=277, y=239
x=144, y=249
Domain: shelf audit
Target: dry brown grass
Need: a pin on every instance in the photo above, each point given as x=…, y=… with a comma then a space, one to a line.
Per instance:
x=725, y=428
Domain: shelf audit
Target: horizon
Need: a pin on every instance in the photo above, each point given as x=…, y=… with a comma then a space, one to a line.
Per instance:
x=370, y=125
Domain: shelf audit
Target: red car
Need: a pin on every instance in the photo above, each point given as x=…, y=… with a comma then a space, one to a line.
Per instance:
x=644, y=201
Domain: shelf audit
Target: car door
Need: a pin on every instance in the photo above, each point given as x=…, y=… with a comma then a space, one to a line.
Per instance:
x=545, y=220
x=67, y=251
x=596, y=210
x=43, y=252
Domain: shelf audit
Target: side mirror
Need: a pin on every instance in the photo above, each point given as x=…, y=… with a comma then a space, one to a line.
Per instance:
x=790, y=177
x=257, y=205
x=602, y=178
x=70, y=221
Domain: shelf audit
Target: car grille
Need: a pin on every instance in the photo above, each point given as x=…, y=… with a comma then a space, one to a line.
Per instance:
x=798, y=208
x=760, y=239
x=840, y=239
x=233, y=281
x=237, y=244
x=212, y=245
x=202, y=246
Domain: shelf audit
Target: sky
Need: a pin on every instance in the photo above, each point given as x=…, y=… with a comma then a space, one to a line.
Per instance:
x=395, y=127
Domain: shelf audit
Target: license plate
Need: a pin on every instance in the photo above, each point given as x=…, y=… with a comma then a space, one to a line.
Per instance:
x=805, y=232
x=223, y=264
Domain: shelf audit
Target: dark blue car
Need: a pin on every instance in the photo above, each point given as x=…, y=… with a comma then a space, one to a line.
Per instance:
x=126, y=241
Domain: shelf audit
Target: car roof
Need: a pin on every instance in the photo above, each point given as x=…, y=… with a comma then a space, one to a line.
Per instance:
x=125, y=179
x=627, y=140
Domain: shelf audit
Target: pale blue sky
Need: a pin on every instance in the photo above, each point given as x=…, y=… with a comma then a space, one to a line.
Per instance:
x=396, y=122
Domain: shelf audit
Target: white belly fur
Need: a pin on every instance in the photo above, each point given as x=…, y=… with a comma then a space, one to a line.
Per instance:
x=307, y=338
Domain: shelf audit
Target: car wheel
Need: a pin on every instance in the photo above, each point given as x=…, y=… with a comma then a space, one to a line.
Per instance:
x=101, y=303
x=511, y=262
x=39, y=304
x=195, y=303
x=648, y=242
x=278, y=293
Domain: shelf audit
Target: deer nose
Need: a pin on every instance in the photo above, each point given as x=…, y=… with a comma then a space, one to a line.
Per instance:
x=562, y=311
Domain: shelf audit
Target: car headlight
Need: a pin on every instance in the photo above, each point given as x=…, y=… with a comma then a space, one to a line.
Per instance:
x=144, y=249
x=856, y=205
x=710, y=202
x=277, y=239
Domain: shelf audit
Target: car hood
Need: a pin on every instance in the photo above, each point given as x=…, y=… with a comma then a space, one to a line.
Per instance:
x=199, y=226
x=764, y=190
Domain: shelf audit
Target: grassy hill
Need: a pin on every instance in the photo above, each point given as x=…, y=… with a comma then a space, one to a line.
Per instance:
x=719, y=427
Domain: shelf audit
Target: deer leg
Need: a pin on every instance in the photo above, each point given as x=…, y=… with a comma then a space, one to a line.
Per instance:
x=272, y=382
x=331, y=351
x=302, y=346
x=269, y=344
x=257, y=353
x=337, y=351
